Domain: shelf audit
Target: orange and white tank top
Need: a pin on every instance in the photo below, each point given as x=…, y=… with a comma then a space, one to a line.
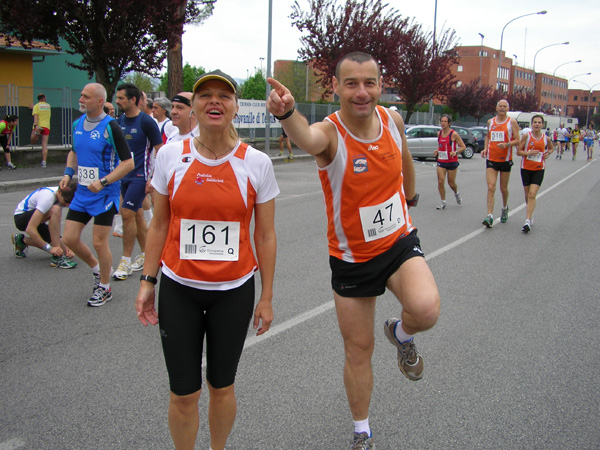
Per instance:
x=500, y=133
x=208, y=245
x=364, y=196
x=535, y=162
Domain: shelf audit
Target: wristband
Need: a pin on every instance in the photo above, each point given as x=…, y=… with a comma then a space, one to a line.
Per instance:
x=104, y=182
x=47, y=248
x=70, y=171
x=286, y=115
x=149, y=278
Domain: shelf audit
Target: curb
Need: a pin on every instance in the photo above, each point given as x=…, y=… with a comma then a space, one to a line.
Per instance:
x=34, y=183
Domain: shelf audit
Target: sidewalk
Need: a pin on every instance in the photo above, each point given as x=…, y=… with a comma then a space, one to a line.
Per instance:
x=31, y=177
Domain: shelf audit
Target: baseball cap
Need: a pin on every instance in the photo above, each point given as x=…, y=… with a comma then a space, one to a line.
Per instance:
x=215, y=75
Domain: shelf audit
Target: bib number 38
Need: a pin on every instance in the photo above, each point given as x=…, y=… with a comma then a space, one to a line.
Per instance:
x=379, y=221
x=209, y=240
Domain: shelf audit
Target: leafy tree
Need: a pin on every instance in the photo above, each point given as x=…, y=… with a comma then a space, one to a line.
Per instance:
x=581, y=114
x=142, y=81
x=190, y=75
x=300, y=79
x=411, y=63
x=523, y=100
x=112, y=37
x=473, y=100
x=333, y=31
x=255, y=87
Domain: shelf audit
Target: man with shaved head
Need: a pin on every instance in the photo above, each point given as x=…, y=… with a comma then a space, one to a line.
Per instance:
x=98, y=145
x=182, y=117
x=501, y=140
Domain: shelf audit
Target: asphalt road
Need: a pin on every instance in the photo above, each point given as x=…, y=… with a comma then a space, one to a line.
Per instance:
x=513, y=363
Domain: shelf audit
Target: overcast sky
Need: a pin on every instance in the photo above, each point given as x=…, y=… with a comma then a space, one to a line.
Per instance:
x=234, y=38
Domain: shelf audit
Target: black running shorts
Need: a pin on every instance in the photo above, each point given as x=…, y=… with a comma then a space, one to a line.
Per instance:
x=532, y=177
x=186, y=315
x=503, y=166
x=369, y=278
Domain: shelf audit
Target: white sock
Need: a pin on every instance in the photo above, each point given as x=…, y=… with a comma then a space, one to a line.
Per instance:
x=400, y=334
x=362, y=426
x=118, y=221
x=96, y=268
x=105, y=286
x=148, y=215
x=127, y=259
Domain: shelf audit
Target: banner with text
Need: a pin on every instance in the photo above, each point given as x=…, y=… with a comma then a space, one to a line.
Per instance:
x=252, y=114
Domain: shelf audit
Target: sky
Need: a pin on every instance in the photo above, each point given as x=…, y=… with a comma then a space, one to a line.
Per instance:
x=235, y=37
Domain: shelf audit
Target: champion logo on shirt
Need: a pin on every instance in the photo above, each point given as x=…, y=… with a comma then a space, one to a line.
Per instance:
x=360, y=164
x=186, y=159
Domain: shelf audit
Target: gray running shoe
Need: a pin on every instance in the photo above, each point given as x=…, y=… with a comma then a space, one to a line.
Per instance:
x=138, y=264
x=96, y=281
x=62, y=262
x=458, y=198
x=19, y=244
x=362, y=441
x=441, y=205
x=527, y=226
x=100, y=296
x=488, y=221
x=410, y=362
x=504, y=216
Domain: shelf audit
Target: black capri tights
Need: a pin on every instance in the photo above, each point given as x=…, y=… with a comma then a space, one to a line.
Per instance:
x=186, y=315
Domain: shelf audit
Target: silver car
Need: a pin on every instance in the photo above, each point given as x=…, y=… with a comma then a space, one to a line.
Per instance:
x=422, y=140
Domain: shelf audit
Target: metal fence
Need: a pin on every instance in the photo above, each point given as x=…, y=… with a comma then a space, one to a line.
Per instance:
x=19, y=100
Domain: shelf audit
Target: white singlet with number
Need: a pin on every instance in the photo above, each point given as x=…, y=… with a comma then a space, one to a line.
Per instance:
x=535, y=157
x=87, y=175
x=209, y=240
x=442, y=155
x=382, y=220
x=497, y=136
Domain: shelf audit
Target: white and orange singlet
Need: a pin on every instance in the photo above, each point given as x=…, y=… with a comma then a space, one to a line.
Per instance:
x=208, y=244
x=364, y=195
x=537, y=161
x=500, y=133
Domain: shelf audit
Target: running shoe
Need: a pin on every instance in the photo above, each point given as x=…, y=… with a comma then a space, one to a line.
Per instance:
x=441, y=205
x=96, y=280
x=488, y=221
x=118, y=232
x=123, y=271
x=409, y=360
x=43, y=164
x=138, y=264
x=527, y=226
x=504, y=216
x=362, y=441
x=11, y=166
x=62, y=262
x=458, y=198
x=100, y=296
x=19, y=243
x=280, y=153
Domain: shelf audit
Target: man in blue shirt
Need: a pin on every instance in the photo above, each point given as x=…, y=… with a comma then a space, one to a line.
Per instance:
x=142, y=135
x=98, y=145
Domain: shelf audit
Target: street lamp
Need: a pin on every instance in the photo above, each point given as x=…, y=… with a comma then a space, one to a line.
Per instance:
x=580, y=75
x=554, y=81
x=535, y=56
x=590, y=88
x=480, y=58
x=502, y=37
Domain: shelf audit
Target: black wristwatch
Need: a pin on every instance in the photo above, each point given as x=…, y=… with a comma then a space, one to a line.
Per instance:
x=104, y=182
x=413, y=201
x=149, y=278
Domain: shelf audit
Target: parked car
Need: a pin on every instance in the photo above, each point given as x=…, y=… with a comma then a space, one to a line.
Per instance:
x=469, y=139
x=422, y=140
x=480, y=133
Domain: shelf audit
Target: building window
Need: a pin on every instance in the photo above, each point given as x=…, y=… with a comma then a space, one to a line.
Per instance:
x=575, y=98
x=459, y=83
x=459, y=69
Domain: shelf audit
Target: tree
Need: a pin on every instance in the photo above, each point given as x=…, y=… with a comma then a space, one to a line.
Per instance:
x=190, y=75
x=411, y=63
x=473, y=100
x=581, y=114
x=299, y=78
x=112, y=37
x=334, y=30
x=142, y=81
x=184, y=11
x=255, y=87
x=523, y=100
